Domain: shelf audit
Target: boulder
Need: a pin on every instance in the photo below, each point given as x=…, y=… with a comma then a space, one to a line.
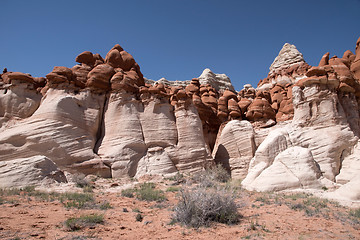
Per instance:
x=32, y=171
x=86, y=58
x=99, y=77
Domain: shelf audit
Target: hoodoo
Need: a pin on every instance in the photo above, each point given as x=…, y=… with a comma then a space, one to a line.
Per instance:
x=299, y=129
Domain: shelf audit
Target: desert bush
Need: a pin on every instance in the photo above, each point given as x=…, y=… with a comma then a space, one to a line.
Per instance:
x=128, y=192
x=211, y=177
x=10, y=192
x=148, y=192
x=199, y=207
x=84, y=221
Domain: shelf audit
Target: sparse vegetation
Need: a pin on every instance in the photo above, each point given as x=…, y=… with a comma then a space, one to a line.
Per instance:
x=311, y=205
x=211, y=177
x=199, y=207
x=105, y=205
x=177, y=178
x=81, y=182
x=355, y=213
x=77, y=200
x=145, y=192
x=263, y=199
x=75, y=224
x=128, y=192
x=172, y=189
x=136, y=210
x=139, y=217
x=256, y=226
x=68, y=199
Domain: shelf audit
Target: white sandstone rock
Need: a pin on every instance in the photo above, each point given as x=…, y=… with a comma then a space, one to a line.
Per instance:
x=63, y=128
x=235, y=147
x=17, y=102
x=191, y=153
x=292, y=169
x=277, y=141
x=320, y=129
x=31, y=171
x=349, y=191
x=147, y=136
x=288, y=55
x=122, y=142
x=216, y=80
x=350, y=165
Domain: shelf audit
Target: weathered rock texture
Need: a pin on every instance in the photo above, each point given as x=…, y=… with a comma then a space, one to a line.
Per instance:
x=218, y=81
x=299, y=129
x=99, y=117
x=321, y=142
x=23, y=172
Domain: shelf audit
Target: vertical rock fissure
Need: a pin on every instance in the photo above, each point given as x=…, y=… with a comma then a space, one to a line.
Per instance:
x=101, y=127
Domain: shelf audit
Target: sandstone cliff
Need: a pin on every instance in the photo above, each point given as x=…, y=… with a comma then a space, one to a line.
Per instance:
x=299, y=129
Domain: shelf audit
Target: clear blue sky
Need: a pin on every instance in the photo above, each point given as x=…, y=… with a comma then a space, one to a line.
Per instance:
x=175, y=39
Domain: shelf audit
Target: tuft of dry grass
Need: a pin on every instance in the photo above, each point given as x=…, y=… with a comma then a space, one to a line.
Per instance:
x=81, y=222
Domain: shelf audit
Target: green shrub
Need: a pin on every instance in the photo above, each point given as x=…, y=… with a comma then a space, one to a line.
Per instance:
x=128, y=192
x=199, y=207
x=147, y=192
x=84, y=221
x=172, y=189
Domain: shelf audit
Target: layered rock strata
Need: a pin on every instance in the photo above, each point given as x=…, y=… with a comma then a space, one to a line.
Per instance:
x=99, y=117
x=299, y=129
x=321, y=143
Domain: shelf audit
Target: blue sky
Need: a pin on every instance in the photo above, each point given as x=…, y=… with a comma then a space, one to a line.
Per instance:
x=175, y=39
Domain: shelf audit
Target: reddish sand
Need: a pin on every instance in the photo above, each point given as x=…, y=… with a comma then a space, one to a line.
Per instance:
x=265, y=216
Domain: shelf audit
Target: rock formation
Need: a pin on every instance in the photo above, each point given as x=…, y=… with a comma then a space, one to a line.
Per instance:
x=299, y=129
x=219, y=82
x=99, y=117
x=320, y=144
x=23, y=172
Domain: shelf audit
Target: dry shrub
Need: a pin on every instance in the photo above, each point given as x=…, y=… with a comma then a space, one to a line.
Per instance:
x=199, y=207
x=211, y=177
